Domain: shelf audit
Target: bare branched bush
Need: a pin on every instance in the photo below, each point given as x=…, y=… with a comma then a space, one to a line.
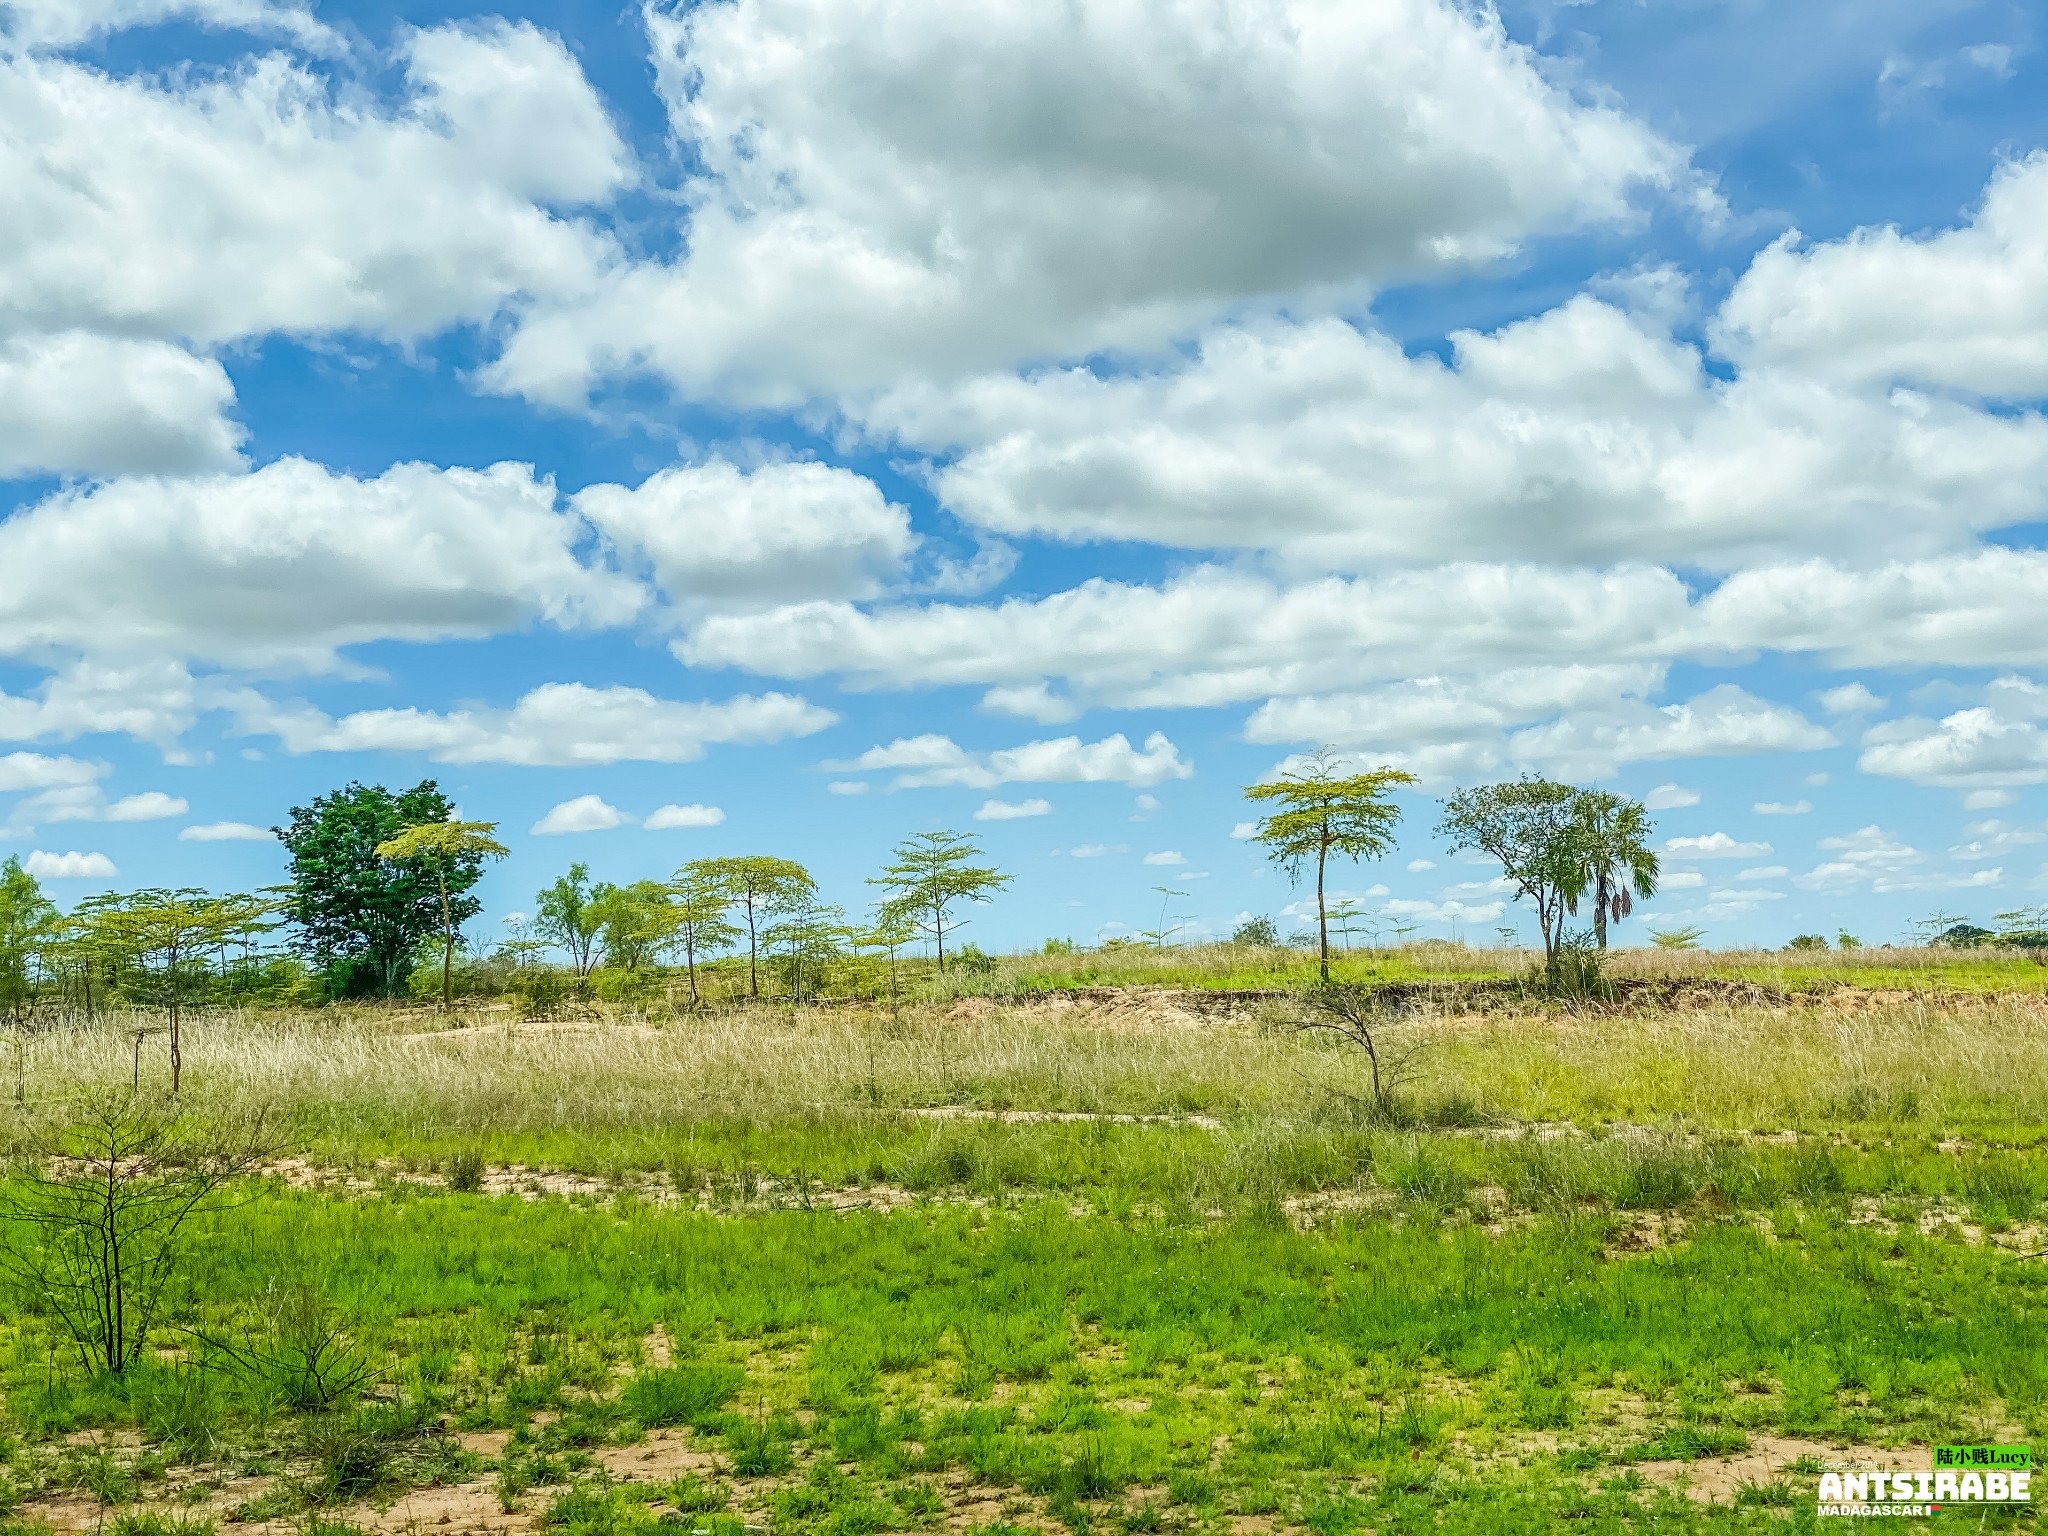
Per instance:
x=1359, y=1015
x=92, y=1222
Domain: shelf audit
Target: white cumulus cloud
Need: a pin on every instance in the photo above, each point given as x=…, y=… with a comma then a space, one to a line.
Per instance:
x=226, y=832
x=668, y=817
x=1012, y=810
x=69, y=866
x=585, y=813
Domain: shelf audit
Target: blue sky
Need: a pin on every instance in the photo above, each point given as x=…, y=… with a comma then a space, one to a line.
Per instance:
x=781, y=426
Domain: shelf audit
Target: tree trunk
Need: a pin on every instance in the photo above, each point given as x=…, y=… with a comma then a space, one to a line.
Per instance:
x=939, y=931
x=1600, y=908
x=753, y=954
x=1322, y=913
x=177, y=1037
x=447, y=943
x=690, y=964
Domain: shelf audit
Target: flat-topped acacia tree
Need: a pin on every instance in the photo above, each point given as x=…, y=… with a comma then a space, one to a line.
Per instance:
x=760, y=887
x=1323, y=810
x=442, y=849
x=931, y=875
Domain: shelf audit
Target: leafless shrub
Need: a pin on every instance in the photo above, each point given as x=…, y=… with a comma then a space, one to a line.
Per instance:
x=92, y=1223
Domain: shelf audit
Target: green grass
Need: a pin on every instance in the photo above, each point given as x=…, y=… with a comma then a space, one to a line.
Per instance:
x=1069, y=1361
x=1580, y=1249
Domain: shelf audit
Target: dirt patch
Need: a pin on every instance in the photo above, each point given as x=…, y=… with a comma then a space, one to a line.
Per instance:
x=1718, y=1479
x=663, y=1455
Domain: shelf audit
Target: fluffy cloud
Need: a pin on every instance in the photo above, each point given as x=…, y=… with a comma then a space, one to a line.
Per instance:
x=33, y=24
x=1969, y=610
x=1713, y=845
x=1723, y=721
x=1994, y=840
x=32, y=770
x=85, y=802
x=1964, y=309
x=1213, y=636
x=1580, y=435
x=216, y=205
x=1444, y=727
x=226, y=832
x=1873, y=857
x=555, y=725
x=670, y=817
x=1782, y=808
x=295, y=560
x=1998, y=743
x=892, y=186
x=585, y=813
x=69, y=866
x=1166, y=858
x=1012, y=810
x=1850, y=699
x=1670, y=797
x=153, y=700
x=76, y=402
x=718, y=536
x=932, y=760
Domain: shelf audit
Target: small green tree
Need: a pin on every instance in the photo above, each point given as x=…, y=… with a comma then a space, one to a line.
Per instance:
x=1258, y=932
x=353, y=909
x=445, y=849
x=760, y=887
x=888, y=934
x=806, y=938
x=28, y=921
x=932, y=874
x=566, y=914
x=1324, y=811
x=1677, y=938
x=1531, y=826
x=167, y=934
x=697, y=922
x=1613, y=842
x=29, y=925
x=633, y=922
x=94, y=1224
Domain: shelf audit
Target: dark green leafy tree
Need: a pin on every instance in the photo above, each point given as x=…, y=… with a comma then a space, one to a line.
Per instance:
x=28, y=922
x=634, y=922
x=1613, y=841
x=29, y=925
x=443, y=848
x=567, y=914
x=761, y=888
x=1321, y=811
x=932, y=874
x=354, y=909
x=1533, y=828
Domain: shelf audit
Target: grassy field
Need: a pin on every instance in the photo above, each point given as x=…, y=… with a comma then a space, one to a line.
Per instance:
x=1075, y=1245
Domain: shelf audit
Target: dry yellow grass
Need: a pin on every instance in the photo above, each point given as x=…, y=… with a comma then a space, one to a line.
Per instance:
x=1932, y=1064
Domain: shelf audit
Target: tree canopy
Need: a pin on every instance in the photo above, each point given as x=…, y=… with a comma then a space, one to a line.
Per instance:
x=442, y=848
x=1322, y=811
x=364, y=917
x=931, y=875
x=761, y=887
x=1530, y=825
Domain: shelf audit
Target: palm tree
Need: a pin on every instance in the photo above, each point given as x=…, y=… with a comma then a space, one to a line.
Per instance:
x=1613, y=833
x=440, y=845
